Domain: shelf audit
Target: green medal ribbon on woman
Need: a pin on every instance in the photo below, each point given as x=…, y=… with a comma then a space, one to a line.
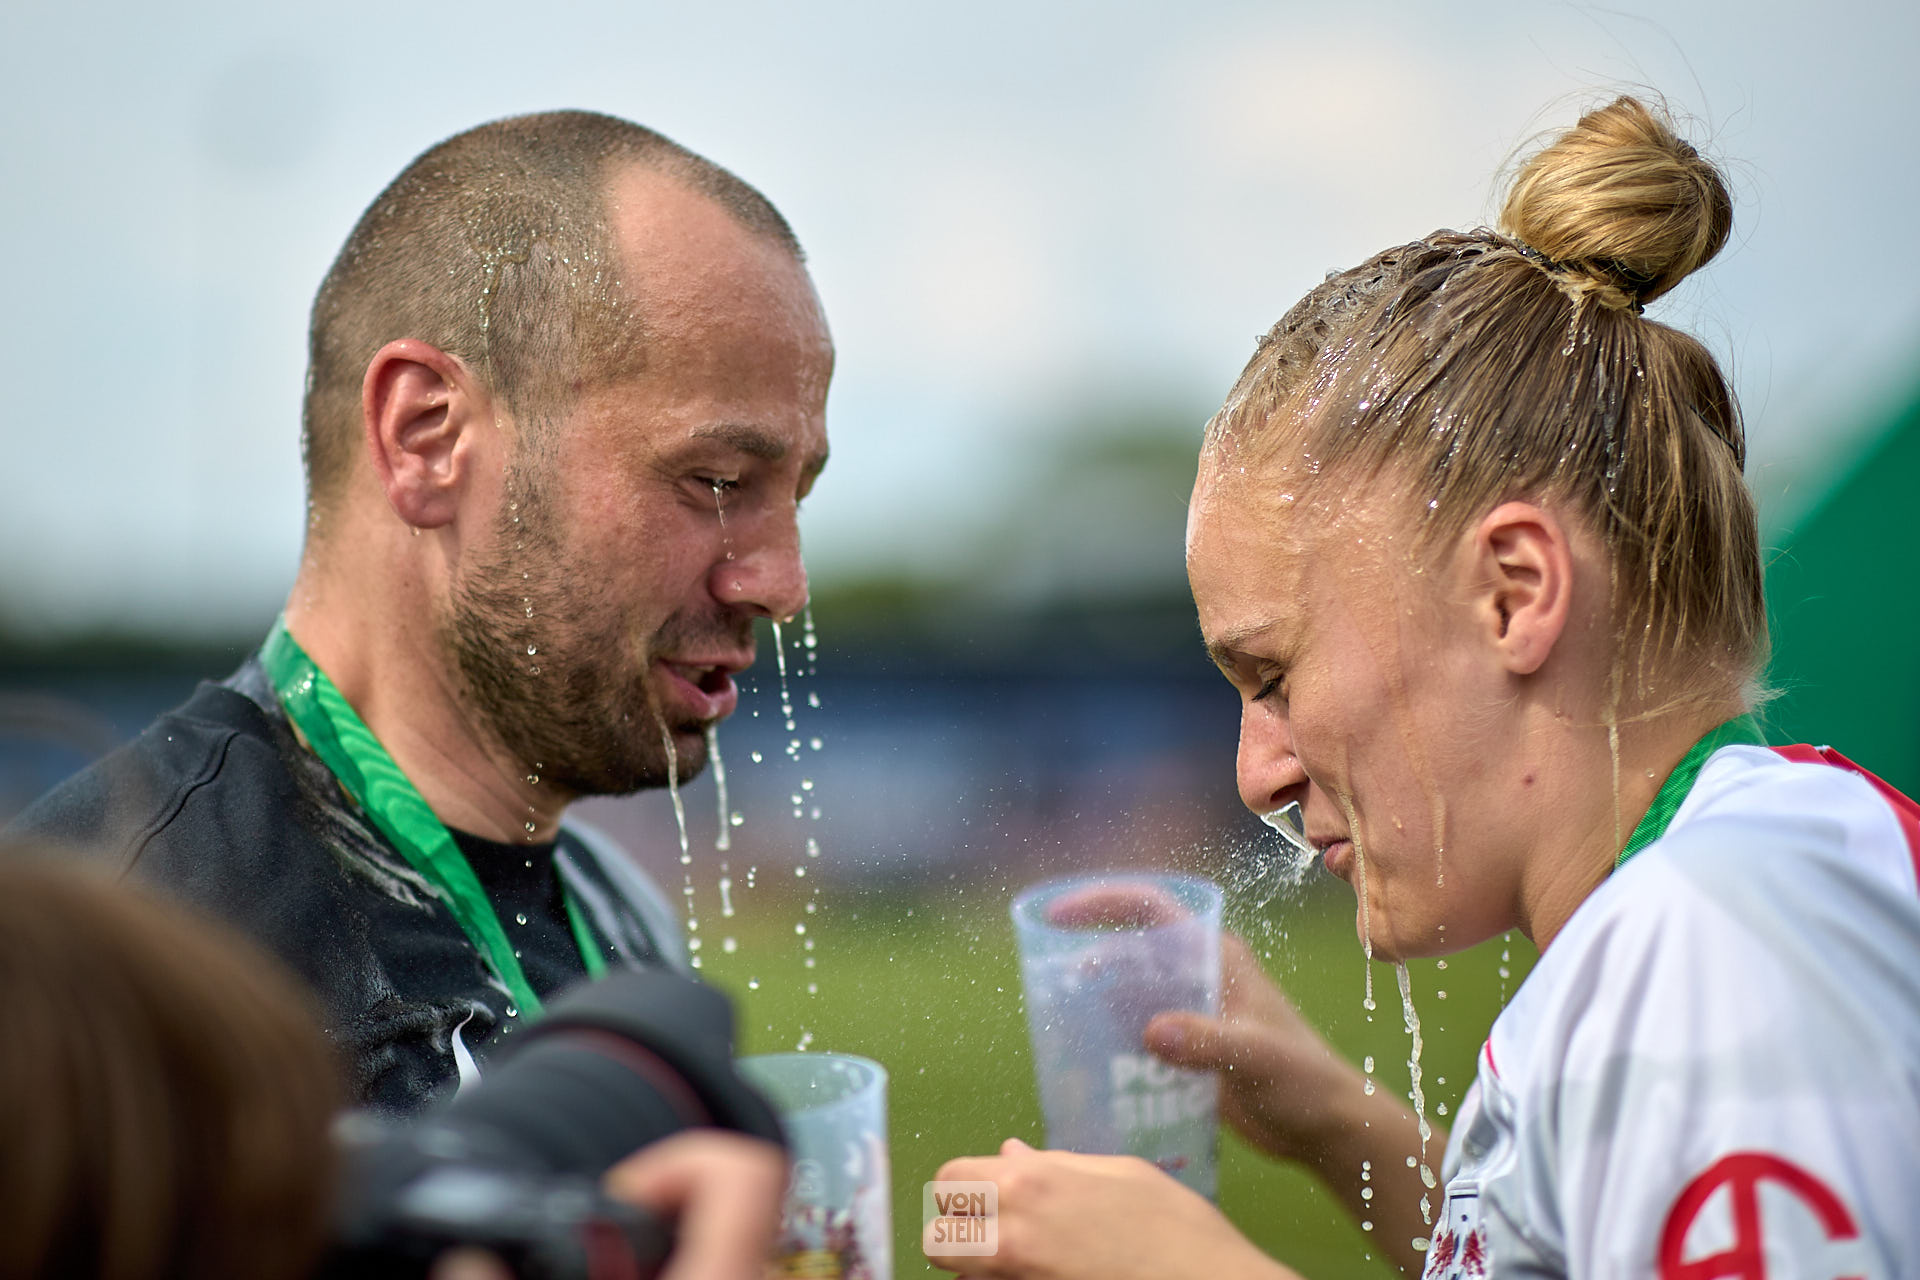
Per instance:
x=1659, y=815
x=368, y=775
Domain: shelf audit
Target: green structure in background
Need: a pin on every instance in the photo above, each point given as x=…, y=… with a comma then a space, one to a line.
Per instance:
x=1844, y=594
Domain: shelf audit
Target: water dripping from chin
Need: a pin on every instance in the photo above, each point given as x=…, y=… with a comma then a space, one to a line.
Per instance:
x=686, y=846
x=1360, y=886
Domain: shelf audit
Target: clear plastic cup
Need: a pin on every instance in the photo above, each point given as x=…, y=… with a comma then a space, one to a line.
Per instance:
x=838, y=1219
x=1100, y=955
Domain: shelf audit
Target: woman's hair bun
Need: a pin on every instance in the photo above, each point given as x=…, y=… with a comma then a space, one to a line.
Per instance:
x=1620, y=207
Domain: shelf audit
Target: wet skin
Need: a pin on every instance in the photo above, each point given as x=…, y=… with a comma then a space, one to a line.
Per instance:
x=666, y=520
x=1364, y=697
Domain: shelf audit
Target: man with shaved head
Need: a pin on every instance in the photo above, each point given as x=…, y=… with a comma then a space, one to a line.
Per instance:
x=567, y=389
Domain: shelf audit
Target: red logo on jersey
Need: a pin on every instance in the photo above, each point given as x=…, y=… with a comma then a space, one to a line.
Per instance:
x=1742, y=1173
x=1464, y=1256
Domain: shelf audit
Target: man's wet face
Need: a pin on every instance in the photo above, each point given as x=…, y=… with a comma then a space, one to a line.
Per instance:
x=557, y=667
x=599, y=630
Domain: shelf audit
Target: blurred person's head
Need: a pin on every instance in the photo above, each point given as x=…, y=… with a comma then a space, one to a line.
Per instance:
x=165, y=1095
x=566, y=388
x=1468, y=518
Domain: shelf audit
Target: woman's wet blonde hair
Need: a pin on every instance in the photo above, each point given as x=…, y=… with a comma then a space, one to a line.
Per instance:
x=1482, y=366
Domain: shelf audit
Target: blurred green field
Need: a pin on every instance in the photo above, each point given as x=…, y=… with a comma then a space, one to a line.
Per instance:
x=929, y=985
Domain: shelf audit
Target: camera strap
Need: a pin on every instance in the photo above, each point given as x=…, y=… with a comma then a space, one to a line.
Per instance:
x=336, y=734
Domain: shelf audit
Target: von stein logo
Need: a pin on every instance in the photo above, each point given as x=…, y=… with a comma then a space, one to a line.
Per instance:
x=962, y=1218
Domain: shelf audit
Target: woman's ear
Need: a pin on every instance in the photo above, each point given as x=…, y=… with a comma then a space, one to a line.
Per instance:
x=419, y=407
x=1521, y=567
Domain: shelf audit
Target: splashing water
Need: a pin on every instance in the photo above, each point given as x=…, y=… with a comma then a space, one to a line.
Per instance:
x=1366, y=916
x=1289, y=823
x=686, y=846
x=723, y=837
x=1419, y=1096
x=780, y=662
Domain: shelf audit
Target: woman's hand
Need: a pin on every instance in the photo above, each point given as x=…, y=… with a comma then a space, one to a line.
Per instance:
x=1062, y=1216
x=1282, y=1086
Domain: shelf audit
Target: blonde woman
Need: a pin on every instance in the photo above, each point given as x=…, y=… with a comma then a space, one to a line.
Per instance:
x=1471, y=540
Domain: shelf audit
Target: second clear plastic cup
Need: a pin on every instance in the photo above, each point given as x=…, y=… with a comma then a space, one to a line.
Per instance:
x=1100, y=955
x=838, y=1219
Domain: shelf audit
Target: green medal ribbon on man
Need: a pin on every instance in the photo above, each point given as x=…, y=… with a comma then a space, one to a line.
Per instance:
x=368, y=775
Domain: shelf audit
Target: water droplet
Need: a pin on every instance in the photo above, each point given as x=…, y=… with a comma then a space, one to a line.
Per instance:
x=757, y=757
x=813, y=700
x=815, y=743
x=512, y=1012
x=753, y=984
x=531, y=828
x=520, y=917
x=531, y=650
x=800, y=929
x=801, y=872
x=729, y=945
x=813, y=988
x=1366, y=1064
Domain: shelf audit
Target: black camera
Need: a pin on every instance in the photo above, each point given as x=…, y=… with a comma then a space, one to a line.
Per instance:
x=513, y=1164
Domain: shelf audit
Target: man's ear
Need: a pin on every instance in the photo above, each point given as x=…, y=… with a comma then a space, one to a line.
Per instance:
x=420, y=407
x=1522, y=571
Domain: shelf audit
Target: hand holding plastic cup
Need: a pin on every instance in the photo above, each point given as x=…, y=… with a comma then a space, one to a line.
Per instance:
x=838, y=1219
x=1100, y=955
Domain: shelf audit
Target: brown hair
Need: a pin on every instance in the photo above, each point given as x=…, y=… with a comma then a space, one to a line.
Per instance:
x=164, y=1091
x=494, y=247
x=1482, y=366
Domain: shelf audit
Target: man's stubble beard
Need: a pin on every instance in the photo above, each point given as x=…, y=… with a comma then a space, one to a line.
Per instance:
x=576, y=711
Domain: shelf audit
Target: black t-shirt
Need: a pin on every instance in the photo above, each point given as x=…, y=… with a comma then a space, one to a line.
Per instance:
x=219, y=804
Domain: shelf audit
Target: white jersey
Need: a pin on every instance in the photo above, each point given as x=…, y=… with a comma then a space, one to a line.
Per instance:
x=1714, y=1069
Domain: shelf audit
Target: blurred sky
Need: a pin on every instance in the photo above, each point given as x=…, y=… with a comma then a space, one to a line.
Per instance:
x=1019, y=215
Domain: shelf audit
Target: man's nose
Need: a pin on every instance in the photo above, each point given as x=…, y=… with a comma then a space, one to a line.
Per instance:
x=1269, y=773
x=766, y=577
